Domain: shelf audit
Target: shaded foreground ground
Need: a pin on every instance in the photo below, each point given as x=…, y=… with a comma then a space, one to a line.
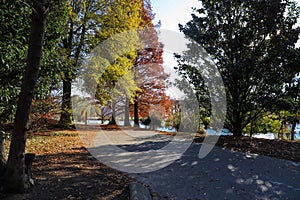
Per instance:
x=65, y=170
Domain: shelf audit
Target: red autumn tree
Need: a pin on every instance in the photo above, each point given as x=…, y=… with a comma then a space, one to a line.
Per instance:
x=150, y=76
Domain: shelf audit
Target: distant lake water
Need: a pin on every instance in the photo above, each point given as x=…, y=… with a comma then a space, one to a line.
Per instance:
x=270, y=136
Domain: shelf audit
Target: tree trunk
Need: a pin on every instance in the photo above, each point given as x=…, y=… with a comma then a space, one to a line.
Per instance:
x=126, y=120
x=66, y=105
x=293, y=130
x=251, y=129
x=280, y=133
x=113, y=119
x=237, y=130
x=2, y=155
x=237, y=127
x=136, y=112
x=14, y=177
x=86, y=118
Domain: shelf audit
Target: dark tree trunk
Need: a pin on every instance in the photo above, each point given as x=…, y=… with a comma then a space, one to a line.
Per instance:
x=237, y=125
x=280, y=133
x=66, y=106
x=14, y=177
x=126, y=120
x=237, y=131
x=294, y=123
x=136, y=112
x=85, y=118
x=66, y=120
x=113, y=119
x=2, y=155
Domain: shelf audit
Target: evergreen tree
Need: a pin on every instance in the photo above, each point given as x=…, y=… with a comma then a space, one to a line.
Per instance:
x=253, y=45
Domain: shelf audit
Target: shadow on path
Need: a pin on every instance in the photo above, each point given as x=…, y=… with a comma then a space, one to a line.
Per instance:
x=224, y=174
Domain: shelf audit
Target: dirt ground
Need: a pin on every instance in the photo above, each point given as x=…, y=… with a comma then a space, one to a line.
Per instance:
x=64, y=169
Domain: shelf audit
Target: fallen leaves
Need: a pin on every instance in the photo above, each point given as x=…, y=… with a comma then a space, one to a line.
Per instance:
x=64, y=169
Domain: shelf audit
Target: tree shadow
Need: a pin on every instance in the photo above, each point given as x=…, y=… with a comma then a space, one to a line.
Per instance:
x=75, y=176
x=225, y=174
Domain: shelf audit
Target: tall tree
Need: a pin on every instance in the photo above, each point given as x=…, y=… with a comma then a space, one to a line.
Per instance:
x=149, y=72
x=15, y=18
x=252, y=43
x=81, y=25
x=14, y=176
x=112, y=61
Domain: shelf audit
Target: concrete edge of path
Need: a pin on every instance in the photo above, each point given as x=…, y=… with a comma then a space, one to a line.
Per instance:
x=139, y=192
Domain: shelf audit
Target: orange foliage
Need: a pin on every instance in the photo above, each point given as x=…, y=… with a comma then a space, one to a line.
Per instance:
x=149, y=72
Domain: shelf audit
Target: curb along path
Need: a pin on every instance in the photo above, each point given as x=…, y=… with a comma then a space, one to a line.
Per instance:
x=139, y=192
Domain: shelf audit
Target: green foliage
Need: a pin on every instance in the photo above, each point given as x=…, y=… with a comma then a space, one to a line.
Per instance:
x=267, y=123
x=110, y=72
x=15, y=28
x=81, y=25
x=174, y=120
x=53, y=59
x=186, y=122
x=253, y=45
x=195, y=89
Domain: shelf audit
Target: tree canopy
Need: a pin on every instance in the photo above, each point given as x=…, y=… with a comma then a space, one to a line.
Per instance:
x=253, y=44
x=15, y=30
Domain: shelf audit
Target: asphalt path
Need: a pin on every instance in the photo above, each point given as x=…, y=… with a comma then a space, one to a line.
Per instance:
x=222, y=174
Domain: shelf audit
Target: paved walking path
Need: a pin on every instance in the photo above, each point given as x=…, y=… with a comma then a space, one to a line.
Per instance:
x=222, y=174
x=225, y=175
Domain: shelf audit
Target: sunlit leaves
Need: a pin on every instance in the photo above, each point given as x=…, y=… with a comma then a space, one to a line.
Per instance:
x=111, y=61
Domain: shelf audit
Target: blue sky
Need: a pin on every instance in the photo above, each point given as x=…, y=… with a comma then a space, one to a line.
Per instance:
x=173, y=12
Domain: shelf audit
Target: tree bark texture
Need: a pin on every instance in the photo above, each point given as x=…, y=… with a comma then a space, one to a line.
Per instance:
x=66, y=106
x=14, y=177
x=136, y=112
x=294, y=123
x=2, y=154
x=126, y=120
x=113, y=114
